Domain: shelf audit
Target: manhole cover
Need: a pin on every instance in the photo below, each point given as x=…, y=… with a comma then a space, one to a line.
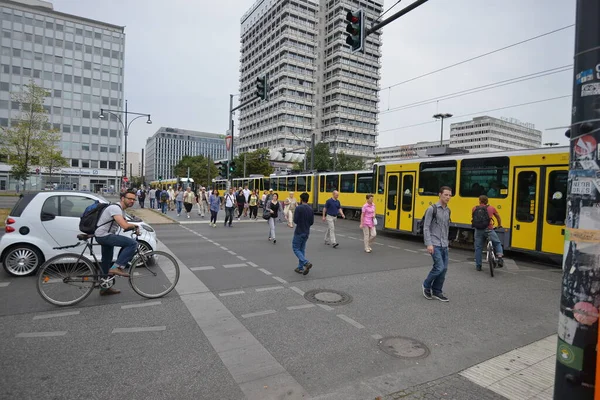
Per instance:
x=402, y=347
x=328, y=296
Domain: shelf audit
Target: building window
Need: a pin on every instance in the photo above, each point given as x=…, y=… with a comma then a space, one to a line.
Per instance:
x=112, y=165
x=74, y=163
x=487, y=176
x=104, y=164
x=85, y=164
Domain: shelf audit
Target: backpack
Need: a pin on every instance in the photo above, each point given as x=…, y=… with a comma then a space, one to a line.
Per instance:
x=142, y=195
x=88, y=223
x=164, y=196
x=480, y=218
x=433, y=218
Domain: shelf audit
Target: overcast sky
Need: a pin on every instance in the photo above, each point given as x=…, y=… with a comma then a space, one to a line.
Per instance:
x=182, y=62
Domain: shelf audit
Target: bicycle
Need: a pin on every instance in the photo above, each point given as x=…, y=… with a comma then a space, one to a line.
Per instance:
x=152, y=274
x=490, y=256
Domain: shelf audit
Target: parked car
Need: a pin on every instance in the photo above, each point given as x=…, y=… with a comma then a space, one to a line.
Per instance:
x=41, y=221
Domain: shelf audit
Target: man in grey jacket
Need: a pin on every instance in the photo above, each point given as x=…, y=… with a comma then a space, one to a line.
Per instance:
x=435, y=231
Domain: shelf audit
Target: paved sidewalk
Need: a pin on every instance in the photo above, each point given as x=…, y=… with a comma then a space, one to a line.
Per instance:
x=153, y=217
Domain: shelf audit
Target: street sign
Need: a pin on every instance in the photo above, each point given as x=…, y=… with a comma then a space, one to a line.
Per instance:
x=228, y=142
x=37, y=170
x=125, y=179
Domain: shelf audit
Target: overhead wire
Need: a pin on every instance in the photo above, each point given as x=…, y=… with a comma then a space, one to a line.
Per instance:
x=395, y=4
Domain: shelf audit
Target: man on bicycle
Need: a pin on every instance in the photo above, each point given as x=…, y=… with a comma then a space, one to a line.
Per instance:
x=109, y=222
x=483, y=222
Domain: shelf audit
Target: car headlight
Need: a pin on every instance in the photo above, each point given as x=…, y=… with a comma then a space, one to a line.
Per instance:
x=146, y=228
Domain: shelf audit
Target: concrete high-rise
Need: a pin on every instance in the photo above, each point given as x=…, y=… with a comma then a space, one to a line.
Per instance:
x=80, y=62
x=317, y=84
x=484, y=134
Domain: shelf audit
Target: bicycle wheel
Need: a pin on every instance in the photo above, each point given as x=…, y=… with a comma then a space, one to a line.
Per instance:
x=153, y=274
x=66, y=279
x=490, y=258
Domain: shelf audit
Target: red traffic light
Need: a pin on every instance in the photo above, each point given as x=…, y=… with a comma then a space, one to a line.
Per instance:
x=352, y=18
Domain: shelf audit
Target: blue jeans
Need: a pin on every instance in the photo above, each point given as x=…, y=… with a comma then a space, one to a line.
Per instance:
x=109, y=243
x=163, y=207
x=299, y=248
x=437, y=275
x=179, y=206
x=152, y=202
x=480, y=237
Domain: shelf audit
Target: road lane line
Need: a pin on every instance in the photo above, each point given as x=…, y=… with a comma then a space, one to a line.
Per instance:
x=258, y=314
x=234, y=265
x=377, y=337
x=217, y=244
x=378, y=244
x=325, y=307
x=353, y=238
x=252, y=264
x=242, y=258
x=233, y=253
x=264, y=271
x=146, y=304
x=300, y=307
x=412, y=251
x=231, y=293
x=202, y=268
x=425, y=254
x=139, y=329
x=278, y=279
x=295, y=289
x=42, y=334
x=64, y=314
x=224, y=248
x=350, y=321
x=394, y=247
x=4, y=284
x=340, y=235
x=269, y=288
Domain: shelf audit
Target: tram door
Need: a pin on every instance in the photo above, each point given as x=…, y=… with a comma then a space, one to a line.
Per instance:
x=399, y=201
x=555, y=210
x=526, y=193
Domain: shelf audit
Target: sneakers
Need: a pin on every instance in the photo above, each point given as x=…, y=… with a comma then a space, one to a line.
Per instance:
x=335, y=245
x=427, y=293
x=307, y=268
x=478, y=268
x=299, y=271
x=274, y=241
x=440, y=297
x=500, y=262
x=109, y=291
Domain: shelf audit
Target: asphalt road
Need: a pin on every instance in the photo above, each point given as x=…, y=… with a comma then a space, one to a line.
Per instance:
x=239, y=326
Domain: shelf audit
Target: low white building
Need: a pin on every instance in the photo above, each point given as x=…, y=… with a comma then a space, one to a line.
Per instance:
x=414, y=150
x=485, y=134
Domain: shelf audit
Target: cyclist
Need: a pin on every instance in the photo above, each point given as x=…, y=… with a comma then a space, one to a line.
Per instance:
x=109, y=222
x=483, y=222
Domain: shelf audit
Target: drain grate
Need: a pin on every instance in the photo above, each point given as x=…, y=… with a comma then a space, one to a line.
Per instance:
x=328, y=296
x=403, y=347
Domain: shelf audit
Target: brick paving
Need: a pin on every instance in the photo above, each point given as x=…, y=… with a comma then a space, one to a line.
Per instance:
x=453, y=387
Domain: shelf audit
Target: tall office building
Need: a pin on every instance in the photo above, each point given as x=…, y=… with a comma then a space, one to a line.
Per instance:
x=317, y=84
x=168, y=146
x=134, y=169
x=80, y=62
x=484, y=134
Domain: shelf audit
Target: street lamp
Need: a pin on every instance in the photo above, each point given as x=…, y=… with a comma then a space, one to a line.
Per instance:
x=125, y=124
x=442, y=116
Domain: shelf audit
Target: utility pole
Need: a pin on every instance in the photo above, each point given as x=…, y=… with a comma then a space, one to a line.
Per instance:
x=143, y=171
x=312, y=152
x=577, y=374
x=245, y=165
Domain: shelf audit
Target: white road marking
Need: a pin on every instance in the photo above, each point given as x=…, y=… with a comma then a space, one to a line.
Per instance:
x=453, y=260
x=233, y=253
x=353, y=238
x=234, y=265
x=300, y=307
x=350, y=321
x=394, y=247
x=64, y=314
x=295, y=289
x=4, y=284
x=278, y=279
x=231, y=293
x=224, y=248
x=540, y=279
x=377, y=337
x=140, y=329
x=257, y=314
x=378, y=244
x=412, y=251
x=242, y=258
x=325, y=307
x=146, y=304
x=425, y=254
x=252, y=264
x=42, y=334
x=264, y=271
x=217, y=244
x=202, y=268
x=264, y=289
x=340, y=235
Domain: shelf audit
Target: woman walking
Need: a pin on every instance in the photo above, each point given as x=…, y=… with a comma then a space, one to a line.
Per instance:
x=179, y=200
x=253, y=203
x=273, y=207
x=240, y=199
x=289, y=207
x=367, y=223
x=188, y=201
x=214, y=202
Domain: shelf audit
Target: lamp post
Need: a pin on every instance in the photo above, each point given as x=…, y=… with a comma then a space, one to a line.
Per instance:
x=125, y=124
x=442, y=116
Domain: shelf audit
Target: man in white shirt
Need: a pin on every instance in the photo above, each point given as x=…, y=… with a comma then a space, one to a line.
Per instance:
x=202, y=202
x=230, y=203
x=171, y=198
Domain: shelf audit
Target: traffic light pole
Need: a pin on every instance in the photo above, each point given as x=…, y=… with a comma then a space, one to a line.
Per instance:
x=232, y=109
x=394, y=17
x=576, y=374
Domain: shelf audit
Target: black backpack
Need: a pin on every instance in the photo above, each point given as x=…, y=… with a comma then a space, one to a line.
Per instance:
x=422, y=222
x=480, y=218
x=88, y=223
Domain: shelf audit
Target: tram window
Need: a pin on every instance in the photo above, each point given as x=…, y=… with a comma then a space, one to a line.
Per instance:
x=245, y=183
x=392, y=191
x=322, y=184
x=407, y=193
x=309, y=183
x=331, y=183
x=282, y=186
x=434, y=175
x=274, y=183
x=347, y=183
x=526, y=196
x=487, y=176
x=267, y=184
x=291, y=184
x=301, y=184
x=557, y=197
x=381, y=180
x=364, y=183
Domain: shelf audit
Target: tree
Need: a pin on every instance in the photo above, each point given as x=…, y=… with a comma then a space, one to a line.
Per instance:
x=323, y=161
x=52, y=159
x=257, y=162
x=27, y=142
x=349, y=163
x=200, y=167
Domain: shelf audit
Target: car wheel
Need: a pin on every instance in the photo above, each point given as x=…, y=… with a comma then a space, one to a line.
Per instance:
x=144, y=247
x=22, y=260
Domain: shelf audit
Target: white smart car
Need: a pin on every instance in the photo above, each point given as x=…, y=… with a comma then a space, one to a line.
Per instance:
x=41, y=221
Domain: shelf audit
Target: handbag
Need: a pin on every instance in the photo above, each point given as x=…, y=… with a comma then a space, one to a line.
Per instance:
x=375, y=221
x=266, y=213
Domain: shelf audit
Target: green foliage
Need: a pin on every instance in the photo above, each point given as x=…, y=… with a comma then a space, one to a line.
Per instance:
x=323, y=160
x=349, y=163
x=200, y=167
x=31, y=141
x=257, y=162
x=52, y=159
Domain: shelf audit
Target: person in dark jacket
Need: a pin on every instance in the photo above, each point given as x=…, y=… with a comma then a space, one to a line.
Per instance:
x=303, y=219
x=158, y=191
x=240, y=199
x=274, y=208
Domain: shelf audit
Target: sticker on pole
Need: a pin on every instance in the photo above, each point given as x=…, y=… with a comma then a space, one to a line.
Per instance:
x=585, y=146
x=590, y=89
x=228, y=139
x=582, y=186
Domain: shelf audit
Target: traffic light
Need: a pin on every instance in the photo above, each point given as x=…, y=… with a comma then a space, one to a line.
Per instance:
x=356, y=30
x=232, y=166
x=262, y=87
x=283, y=151
x=223, y=169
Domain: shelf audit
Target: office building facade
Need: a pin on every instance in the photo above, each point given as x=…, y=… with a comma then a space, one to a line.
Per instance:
x=316, y=83
x=134, y=169
x=79, y=61
x=168, y=146
x=405, y=151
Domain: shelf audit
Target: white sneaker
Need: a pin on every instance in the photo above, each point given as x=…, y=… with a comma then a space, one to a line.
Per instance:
x=178, y=215
x=188, y=216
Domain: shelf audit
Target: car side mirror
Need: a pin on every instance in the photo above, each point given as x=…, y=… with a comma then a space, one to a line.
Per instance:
x=46, y=216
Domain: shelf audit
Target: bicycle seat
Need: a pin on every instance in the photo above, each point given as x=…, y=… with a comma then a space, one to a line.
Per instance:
x=84, y=236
